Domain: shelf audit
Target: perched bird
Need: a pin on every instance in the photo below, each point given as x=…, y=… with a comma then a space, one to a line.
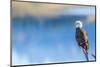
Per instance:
x=81, y=38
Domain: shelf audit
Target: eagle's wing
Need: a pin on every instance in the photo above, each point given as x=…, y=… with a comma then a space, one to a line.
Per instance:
x=86, y=40
x=85, y=37
x=81, y=38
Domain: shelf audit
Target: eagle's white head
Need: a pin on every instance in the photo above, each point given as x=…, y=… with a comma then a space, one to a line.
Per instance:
x=78, y=24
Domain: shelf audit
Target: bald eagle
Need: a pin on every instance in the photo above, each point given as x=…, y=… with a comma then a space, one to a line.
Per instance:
x=81, y=37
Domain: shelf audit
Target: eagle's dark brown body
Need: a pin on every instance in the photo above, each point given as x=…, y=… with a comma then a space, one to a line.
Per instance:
x=81, y=38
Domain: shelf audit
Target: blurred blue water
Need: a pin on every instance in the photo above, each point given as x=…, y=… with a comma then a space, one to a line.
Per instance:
x=50, y=40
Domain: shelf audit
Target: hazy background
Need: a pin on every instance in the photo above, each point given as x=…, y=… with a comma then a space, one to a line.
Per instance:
x=45, y=33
